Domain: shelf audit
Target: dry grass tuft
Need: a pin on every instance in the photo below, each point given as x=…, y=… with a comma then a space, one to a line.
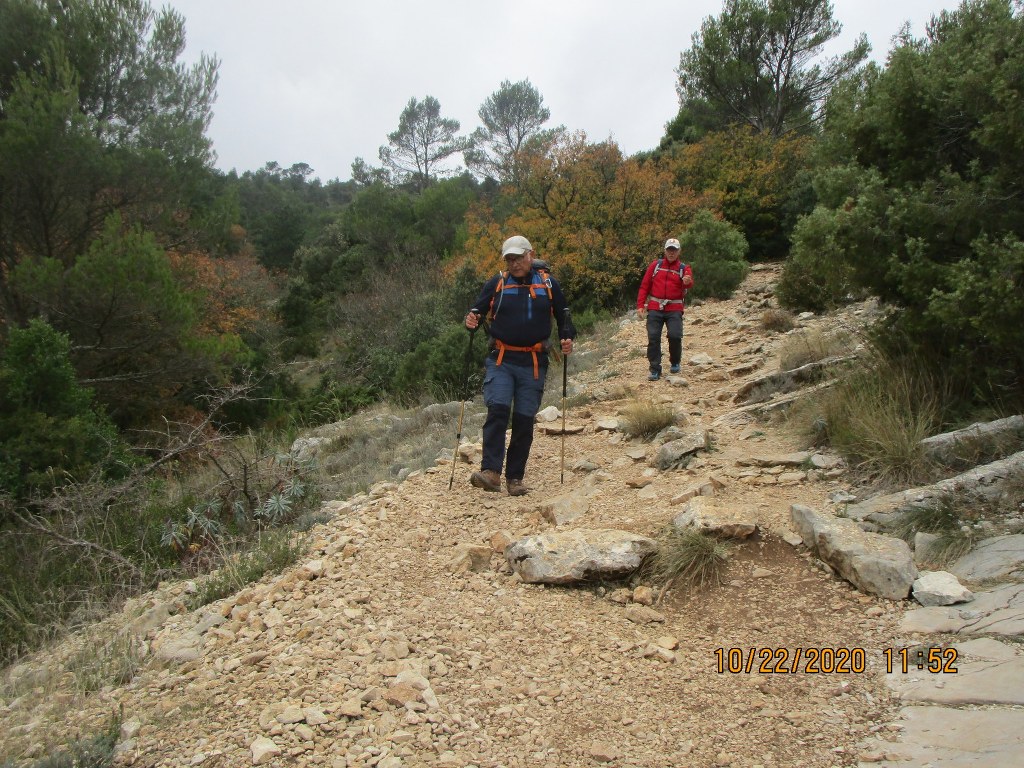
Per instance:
x=811, y=346
x=876, y=418
x=645, y=420
x=274, y=552
x=687, y=556
x=778, y=320
x=99, y=664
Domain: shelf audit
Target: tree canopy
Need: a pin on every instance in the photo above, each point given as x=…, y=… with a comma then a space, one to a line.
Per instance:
x=510, y=116
x=96, y=116
x=755, y=65
x=423, y=140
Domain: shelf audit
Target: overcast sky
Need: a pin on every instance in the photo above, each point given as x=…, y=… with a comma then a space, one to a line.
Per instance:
x=324, y=81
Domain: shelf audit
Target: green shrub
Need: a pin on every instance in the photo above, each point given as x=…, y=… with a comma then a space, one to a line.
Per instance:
x=332, y=400
x=586, y=321
x=717, y=252
x=816, y=276
x=438, y=367
x=49, y=428
x=980, y=304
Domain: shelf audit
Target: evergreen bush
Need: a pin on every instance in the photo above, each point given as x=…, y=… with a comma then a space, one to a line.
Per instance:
x=717, y=251
x=50, y=430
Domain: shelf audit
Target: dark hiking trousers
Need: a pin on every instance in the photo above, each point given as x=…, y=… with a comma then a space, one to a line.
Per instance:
x=673, y=321
x=510, y=390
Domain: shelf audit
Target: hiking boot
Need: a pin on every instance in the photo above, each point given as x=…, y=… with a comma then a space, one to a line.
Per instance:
x=674, y=368
x=487, y=479
x=516, y=487
x=654, y=376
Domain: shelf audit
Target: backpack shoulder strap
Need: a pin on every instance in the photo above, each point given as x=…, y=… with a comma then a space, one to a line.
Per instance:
x=499, y=289
x=658, y=267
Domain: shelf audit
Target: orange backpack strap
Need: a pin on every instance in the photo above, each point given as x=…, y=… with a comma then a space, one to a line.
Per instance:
x=498, y=289
x=538, y=347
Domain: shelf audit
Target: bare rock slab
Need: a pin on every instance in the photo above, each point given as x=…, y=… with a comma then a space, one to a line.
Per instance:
x=1000, y=557
x=567, y=557
x=975, y=682
x=998, y=612
x=960, y=738
x=875, y=564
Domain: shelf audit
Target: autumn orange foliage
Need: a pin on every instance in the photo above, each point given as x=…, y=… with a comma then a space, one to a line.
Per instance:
x=749, y=176
x=235, y=292
x=596, y=216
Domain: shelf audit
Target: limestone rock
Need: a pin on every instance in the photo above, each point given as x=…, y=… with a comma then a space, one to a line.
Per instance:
x=997, y=612
x=470, y=557
x=940, y=588
x=996, y=558
x=263, y=750
x=700, y=514
x=988, y=481
x=941, y=736
x=551, y=413
x=677, y=453
x=875, y=564
x=641, y=614
x=950, y=446
x=565, y=508
x=577, y=555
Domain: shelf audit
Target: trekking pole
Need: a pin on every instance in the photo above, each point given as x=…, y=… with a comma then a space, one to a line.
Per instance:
x=565, y=383
x=462, y=405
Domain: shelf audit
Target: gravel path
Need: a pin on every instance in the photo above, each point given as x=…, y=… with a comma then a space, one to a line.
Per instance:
x=373, y=652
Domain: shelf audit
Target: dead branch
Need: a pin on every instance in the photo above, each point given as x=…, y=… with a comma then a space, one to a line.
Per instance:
x=41, y=526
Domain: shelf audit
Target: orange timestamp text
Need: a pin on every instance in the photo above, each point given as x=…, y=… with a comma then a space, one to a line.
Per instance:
x=784, y=661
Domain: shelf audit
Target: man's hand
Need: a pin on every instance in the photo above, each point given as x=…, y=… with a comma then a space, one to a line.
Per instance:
x=566, y=346
x=473, y=320
x=642, y=313
x=687, y=281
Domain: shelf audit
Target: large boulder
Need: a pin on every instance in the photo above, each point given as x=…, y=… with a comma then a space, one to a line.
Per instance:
x=567, y=557
x=875, y=564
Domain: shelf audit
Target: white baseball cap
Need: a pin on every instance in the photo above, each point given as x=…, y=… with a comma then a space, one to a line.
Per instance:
x=672, y=243
x=516, y=245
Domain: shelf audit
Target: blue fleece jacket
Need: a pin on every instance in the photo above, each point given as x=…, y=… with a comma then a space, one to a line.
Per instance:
x=521, y=320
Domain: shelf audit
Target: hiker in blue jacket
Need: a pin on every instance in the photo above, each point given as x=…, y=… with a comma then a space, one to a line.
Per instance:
x=519, y=304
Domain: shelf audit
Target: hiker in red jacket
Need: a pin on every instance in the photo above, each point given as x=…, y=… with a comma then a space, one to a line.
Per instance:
x=663, y=296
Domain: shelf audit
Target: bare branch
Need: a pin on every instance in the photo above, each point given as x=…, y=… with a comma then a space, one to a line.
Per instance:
x=44, y=527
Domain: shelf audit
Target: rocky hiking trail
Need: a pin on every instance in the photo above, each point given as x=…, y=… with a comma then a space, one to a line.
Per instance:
x=405, y=638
